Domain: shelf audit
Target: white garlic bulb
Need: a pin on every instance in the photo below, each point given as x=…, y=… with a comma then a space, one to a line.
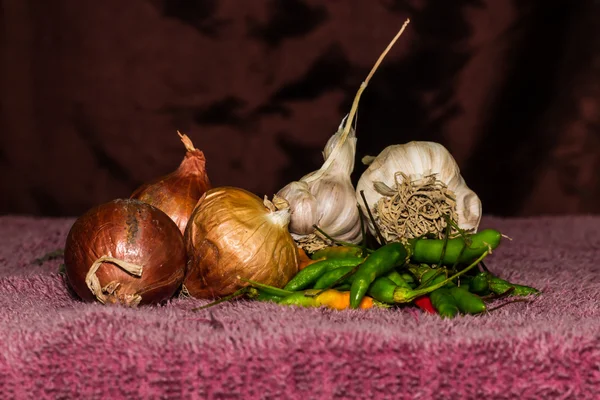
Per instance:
x=437, y=184
x=326, y=197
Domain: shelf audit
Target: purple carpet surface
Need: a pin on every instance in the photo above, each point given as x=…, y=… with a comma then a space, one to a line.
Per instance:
x=53, y=346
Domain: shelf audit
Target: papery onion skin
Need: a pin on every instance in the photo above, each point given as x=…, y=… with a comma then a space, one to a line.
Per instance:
x=177, y=193
x=232, y=233
x=132, y=231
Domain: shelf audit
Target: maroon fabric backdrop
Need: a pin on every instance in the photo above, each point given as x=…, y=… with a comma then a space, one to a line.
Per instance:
x=92, y=94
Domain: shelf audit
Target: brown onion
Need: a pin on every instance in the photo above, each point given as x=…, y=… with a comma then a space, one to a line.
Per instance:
x=125, y=251
x=178, y=192
x=232, y=233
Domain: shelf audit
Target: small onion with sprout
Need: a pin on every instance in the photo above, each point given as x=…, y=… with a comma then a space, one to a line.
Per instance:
x=232, y=233
x=125, y=251
x=178, y=192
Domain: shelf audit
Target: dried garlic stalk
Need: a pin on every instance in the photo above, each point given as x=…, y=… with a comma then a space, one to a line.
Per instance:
x=326, y=198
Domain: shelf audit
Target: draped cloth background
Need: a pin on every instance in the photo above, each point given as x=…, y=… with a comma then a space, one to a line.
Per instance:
x=92, y=94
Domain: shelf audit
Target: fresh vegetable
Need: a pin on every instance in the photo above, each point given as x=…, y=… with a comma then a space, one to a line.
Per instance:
x=418, y=270
x=383, y=289
x=424, y=303
x=330, y=277
x=337, y=252
x=232, y=233
x=500, y=286
x=466, y=301
x=304, y=260
x=325, y=197
x=397, y=278
x=444, y=303
x=457, y=249
x=480, y=284
x=433, y=277
x=265, y=288
x=178, y=192
x=125, y=251
x=378, y=263
x=329, y=298
x=412, y=186
x=313, y=272
x=401, y=295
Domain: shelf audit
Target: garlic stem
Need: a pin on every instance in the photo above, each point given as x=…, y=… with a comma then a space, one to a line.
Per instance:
x=350, y=117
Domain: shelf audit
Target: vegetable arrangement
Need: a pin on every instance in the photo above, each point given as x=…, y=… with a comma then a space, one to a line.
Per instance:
x=439, y=276
x=406, y=236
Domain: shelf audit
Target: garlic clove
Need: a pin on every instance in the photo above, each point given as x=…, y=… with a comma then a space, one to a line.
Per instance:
x=303, y=205
x=418, y=160
x=337, y=212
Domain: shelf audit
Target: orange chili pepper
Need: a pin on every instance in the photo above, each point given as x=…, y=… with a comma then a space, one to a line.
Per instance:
x=304, y=260
x=341, y=300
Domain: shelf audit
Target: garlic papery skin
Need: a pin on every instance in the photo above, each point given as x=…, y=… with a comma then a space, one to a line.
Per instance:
x=417, y=160
x=326, y=197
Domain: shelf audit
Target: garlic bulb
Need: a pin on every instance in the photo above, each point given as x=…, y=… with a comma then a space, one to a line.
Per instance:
x=326, y=197
x=410, y=188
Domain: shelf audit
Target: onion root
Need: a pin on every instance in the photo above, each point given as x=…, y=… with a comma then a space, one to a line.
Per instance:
x=104, y=294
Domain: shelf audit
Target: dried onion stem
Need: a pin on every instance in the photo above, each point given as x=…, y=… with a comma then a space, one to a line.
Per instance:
x=414, y=208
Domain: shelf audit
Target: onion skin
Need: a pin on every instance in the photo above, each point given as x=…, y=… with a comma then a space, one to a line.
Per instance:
x=177, y=193
x=232, y=233
x=132, y=231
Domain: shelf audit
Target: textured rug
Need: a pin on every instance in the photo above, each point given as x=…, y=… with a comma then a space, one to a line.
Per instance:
x=54, y=346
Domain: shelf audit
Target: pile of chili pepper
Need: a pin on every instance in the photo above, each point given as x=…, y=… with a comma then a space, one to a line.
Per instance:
x=442, y=276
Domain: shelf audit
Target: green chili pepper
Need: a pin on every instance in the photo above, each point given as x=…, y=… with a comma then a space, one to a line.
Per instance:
x=466, y=301
x=397, y=278
x=402, y=295
x=433, y=277
x=385, y=290
x=409, y=278
x=343, y=287
x=299, y=299
x=457, y=250
x=260, y=295
x=444, y=303
x=418, y=270
x=480, y=284
x=309, y=275
x=337, y=252
x=378, y=263
x=330, y=277
x=500, y=286
x=267, y=289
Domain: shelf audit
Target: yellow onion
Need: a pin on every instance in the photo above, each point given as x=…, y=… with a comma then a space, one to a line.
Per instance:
x=232, y=233
x=177, y=193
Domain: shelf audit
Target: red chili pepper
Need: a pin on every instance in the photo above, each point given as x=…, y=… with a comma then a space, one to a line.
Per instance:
x=424, y=303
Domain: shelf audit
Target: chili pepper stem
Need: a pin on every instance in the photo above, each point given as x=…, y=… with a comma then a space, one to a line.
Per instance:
x=402, y=295
x=271, y=289
x=237, y=293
